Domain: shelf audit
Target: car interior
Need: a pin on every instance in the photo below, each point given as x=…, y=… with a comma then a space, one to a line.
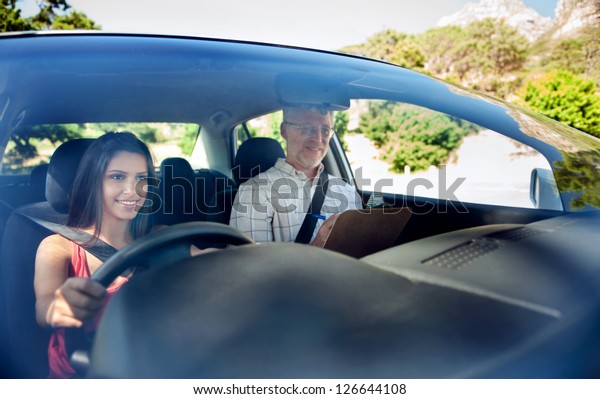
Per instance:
x=185, y=196
x=467, y=290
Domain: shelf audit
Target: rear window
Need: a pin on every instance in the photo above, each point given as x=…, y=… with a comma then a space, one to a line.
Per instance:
x=31, y=146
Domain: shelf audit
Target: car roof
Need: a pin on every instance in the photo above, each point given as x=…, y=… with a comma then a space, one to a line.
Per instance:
x=146, y=77
x=83, y=77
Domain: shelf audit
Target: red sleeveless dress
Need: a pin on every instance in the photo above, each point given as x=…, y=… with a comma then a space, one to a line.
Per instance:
x=58, y=359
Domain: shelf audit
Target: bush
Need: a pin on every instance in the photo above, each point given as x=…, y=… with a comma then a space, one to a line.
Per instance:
x=566, y=98
x=413, y=136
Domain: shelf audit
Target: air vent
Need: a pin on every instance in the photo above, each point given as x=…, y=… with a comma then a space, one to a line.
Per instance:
x=515, y=234
x=460, y=256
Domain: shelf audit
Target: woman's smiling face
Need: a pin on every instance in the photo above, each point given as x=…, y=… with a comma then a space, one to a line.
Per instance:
x=121, y=199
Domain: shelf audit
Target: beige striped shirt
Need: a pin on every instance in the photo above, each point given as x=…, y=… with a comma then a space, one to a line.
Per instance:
x=272, y=205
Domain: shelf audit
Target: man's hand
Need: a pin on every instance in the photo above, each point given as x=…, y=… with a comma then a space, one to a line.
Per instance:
x=324, y=231
x=76, y=301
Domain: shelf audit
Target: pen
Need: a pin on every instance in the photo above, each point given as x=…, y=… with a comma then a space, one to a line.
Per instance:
x=319, y=216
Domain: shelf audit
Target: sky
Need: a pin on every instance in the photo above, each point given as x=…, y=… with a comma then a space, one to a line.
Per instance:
x=320, y=24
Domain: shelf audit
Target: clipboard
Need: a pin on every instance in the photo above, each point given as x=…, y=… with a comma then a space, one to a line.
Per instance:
x=361, y=232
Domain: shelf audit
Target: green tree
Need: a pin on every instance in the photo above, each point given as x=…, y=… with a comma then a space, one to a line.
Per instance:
x=391, y=46
x=48, y=12
x=53, y=14
x=378, y=123
x=340, y=124
x=485, y=55
x=143, y=131
x=269, y=129
x=58, y=15
x=491, y=47
x=74, y=20
x=413, y=136
x=10, y=17
x=25, y=141
x=188, y=141
x=566, y=98
x=568, y=55
x=441, y=48
x=579, y=54
x=578, y=173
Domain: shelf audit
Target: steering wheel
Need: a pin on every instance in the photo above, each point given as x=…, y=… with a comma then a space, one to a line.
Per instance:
x=167, y=246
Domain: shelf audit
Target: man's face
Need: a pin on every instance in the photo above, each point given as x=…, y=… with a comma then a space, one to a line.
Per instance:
x=306, y=150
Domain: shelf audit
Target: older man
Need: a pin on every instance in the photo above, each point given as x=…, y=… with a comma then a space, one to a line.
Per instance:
x=273, y=205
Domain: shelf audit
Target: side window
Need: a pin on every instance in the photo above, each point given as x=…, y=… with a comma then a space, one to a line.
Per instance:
x=263, y=126
x=34, y=145
x=405, y=149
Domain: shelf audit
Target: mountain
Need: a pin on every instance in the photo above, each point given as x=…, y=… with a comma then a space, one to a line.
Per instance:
x=572, y=15
x=529, y=23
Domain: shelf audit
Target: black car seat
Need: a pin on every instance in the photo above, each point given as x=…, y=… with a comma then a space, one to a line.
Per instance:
x=177, y=192
x=254, y=156
x=208, y=183
x=185, y=193
x=37, y=183
x=24, y=352
x=14, y=196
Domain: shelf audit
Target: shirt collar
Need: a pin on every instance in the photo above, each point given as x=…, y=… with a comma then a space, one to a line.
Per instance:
x=285, y=167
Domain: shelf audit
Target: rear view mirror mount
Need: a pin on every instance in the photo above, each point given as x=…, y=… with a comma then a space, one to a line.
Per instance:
x=326, y=93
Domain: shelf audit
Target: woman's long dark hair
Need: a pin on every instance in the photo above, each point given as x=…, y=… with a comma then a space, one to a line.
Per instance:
x=85, y=199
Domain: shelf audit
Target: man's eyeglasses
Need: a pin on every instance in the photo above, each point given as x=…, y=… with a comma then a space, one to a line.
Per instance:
x=310, y=130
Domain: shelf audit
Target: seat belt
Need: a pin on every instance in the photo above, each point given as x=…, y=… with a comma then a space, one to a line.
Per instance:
x=100, y=249
x=314, y=210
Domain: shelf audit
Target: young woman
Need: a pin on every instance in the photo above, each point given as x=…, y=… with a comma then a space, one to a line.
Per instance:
x=108, y=191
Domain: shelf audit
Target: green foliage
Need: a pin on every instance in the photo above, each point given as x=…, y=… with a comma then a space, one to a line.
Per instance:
x=340, y=124
x=10, y=17
x=413, y=136
x=253, y=131
x=188, y=140
x=377, y=123
x=442, y=48
x=144, y=131
x=580, y=173
x=275, y=125
x=26, y=141
x=391, y=46
x=74, y=20
x=486, y=55
x=473, y=53
x=53, y=14
x=579, y=54
x=568, y=55
x=48, y=12
x=418, y=156
x=494, y=47
x=566, y=98
x=151, y=135
x=269, y=129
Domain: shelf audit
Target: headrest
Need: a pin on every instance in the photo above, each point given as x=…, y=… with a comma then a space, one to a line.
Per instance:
x=176, y=167
x=37, y=181
x=61, y=172
x=177, y=192
x=255, y=156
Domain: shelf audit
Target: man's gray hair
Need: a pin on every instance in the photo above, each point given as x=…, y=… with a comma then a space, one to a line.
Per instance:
x=291, y=112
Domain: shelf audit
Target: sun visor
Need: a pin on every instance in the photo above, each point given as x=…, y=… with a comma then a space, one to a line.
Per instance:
x=328, y=93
